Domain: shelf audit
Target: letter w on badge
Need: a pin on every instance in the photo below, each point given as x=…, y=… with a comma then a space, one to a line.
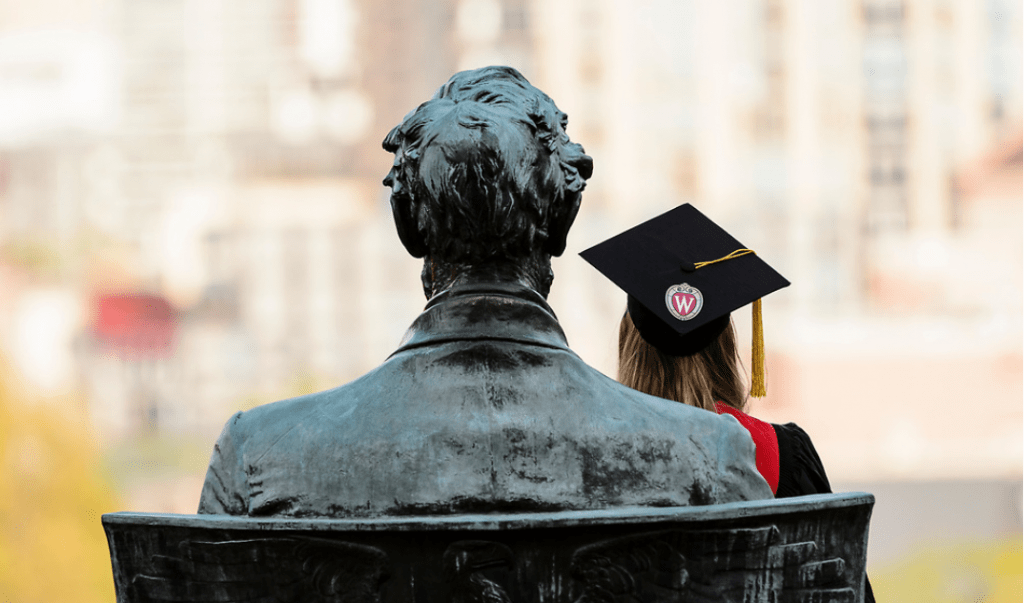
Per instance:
x=684, y=302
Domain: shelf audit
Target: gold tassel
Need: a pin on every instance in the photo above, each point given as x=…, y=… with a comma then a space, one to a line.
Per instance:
x=757, y=382
x=758, y=389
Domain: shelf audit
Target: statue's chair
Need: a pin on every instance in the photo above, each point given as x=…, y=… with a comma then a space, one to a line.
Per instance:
x=810, y=549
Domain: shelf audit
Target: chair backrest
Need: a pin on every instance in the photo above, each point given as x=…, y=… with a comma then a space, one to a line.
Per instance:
x=810, y=548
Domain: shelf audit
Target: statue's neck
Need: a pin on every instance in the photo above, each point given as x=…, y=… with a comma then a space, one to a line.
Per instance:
x=533, y=273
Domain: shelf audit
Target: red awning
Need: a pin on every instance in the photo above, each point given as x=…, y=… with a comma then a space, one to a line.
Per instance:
x=135, y=324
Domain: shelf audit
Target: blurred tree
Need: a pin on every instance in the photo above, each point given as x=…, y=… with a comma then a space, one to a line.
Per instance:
x=52, y=493
x=967, y=572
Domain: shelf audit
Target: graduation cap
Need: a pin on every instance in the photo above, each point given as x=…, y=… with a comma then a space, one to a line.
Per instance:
x=684, y=275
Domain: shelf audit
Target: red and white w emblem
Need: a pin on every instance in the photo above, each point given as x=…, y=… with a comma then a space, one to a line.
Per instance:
x=684, y=301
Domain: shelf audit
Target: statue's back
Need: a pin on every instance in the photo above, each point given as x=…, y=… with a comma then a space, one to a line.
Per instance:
x=464, y=419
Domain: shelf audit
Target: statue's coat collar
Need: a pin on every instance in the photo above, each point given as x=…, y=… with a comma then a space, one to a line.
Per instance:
x=486, y=311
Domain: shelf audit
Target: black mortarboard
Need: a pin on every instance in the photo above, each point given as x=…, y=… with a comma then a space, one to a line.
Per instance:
x=683, y=276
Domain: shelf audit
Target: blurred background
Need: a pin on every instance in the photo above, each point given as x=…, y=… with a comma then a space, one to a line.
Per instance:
x=192, y=223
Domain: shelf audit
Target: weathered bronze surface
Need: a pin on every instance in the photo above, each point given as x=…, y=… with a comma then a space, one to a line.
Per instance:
x=483, y=407
x=803, y=549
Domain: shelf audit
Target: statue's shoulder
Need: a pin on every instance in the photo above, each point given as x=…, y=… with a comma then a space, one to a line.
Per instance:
x=614, y=393
x=269, y=422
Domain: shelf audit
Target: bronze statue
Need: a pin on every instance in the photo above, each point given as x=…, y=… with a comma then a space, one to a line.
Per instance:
x=483, y=407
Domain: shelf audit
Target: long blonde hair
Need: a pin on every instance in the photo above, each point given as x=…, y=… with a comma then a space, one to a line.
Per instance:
x=701, y=379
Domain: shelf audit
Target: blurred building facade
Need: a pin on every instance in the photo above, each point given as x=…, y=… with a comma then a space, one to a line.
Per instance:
x=223, y=156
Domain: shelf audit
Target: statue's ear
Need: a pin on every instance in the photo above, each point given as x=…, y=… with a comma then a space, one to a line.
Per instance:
x=404, y=210
x=403, y=204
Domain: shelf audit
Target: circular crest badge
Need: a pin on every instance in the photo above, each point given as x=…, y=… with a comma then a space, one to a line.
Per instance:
x=683, y=301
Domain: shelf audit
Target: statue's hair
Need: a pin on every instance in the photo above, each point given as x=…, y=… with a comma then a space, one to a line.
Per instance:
x=485, y=170
x=701, y=379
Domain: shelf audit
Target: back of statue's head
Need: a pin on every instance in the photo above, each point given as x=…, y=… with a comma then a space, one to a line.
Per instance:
x=484, y=170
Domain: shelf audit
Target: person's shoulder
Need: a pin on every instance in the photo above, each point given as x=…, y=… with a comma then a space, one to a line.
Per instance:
x=793, y=434
x=796, y=441
x=800, y=468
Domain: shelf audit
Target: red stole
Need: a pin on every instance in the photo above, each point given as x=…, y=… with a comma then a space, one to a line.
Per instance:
x=765, y=442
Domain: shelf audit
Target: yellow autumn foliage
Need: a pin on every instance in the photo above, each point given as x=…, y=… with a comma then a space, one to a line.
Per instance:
x=955, y=572
x=52, y=493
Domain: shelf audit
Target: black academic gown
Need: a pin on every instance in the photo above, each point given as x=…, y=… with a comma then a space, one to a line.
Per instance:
x=800, y=468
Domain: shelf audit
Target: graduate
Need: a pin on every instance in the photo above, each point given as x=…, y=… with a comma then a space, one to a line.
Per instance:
x=684, y=276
